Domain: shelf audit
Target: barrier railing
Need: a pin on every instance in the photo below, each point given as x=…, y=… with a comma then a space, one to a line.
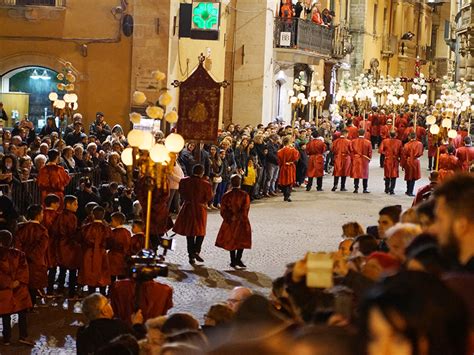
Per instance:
x=300, y=34
x=52, y=3
x=26, y=193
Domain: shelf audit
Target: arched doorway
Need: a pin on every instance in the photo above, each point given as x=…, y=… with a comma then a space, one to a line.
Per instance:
x=25, y=92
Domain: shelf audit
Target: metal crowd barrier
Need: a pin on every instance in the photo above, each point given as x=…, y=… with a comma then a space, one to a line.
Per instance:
x=26, y=193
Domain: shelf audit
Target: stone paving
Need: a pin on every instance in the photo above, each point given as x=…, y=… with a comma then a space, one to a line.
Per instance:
x=282, y=233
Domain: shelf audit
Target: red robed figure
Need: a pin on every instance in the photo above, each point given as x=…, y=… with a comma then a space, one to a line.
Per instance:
x=411, y=153
x=52, y=179
x=161, y=222
x=315, y=150
x=287, y=158
x=447, y=166
x=32, y=239
x=465, y=156
x=392, y=149
x=432, y=149
x=235, y=232
x=49, y=218
x=68, y=240
x=192, y=217
x=137, y=243
x=155, y=299
x=95, y=265
x=385, y=131
x=375, y=127
x=352, y=132
x=361, y=151
x=341, y=150
x=119, y=250
x=13, y=267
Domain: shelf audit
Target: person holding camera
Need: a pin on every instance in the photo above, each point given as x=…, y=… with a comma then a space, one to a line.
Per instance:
x=235, y=233
x=195, y=193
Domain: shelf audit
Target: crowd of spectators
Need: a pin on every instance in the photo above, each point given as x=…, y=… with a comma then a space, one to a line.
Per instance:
x=402, y=286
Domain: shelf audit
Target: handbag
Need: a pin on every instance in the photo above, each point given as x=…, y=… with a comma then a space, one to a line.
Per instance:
x=217, y=179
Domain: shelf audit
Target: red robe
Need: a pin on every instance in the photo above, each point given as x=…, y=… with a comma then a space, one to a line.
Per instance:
x=32, y=239
x=315, y=150
x=423, y=193
x=465, y=156
x=459, y=140
x=420, y=133
x=392, y=149
x=287, y=158
x=161, y=221
x=341, y=150
x=95, y=265
x=137, y=243
x=432, y=149
x=361, y=151
x=352, y=132
x=13, y=267
x=49, y=217
x=235, y=232
x=411, y=153
x=155, y=299
x=67, y=235
x=52, y=179
x=375, y=126
x=119, y=250
x=385, y=131
x=447, y=166
x=195, y=193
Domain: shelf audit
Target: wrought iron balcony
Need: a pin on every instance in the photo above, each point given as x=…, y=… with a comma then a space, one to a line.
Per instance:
x=303, y=35
x=18, y=3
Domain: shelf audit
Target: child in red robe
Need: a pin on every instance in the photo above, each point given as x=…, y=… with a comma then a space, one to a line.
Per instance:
x=95, y=270
x=119, y=246
x=138, y=238
x=32, y=239
x=67, y=235
x=14, y=295
x=50, y=213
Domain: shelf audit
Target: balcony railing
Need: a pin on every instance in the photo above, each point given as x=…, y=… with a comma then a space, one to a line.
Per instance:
x=303, y=35
x=52, y=3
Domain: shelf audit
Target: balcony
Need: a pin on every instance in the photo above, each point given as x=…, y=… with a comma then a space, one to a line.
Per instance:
x=303, y=37
x=21, y=3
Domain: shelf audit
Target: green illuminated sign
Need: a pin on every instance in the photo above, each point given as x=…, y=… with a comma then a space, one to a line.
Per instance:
x=205, y=15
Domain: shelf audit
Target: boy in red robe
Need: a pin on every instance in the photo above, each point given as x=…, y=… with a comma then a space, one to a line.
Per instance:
x=361, y=154
x=32, y=239
x=411, y=153
x=67, y=235
x=448, y=164
x=195, y=193
x=315, y=150
x=52, y=178
x=235, y=233
x=287, y=158
x=341, y=150
x=138, y=238
x=465, y=154
x=14, y=296
x=119, y=246
x=50, y=213
x=95, y=265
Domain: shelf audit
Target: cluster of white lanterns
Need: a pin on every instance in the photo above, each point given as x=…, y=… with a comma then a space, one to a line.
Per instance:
x=346, y=91
x=365, y=94
x=159, y=153
x=395, y=93
x=297, y=94
x=455, y=99
x=318, y=94
x=69, y=100
x=152, y=111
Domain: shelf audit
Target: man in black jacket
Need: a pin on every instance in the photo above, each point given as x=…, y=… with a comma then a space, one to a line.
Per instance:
x=102, y=328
